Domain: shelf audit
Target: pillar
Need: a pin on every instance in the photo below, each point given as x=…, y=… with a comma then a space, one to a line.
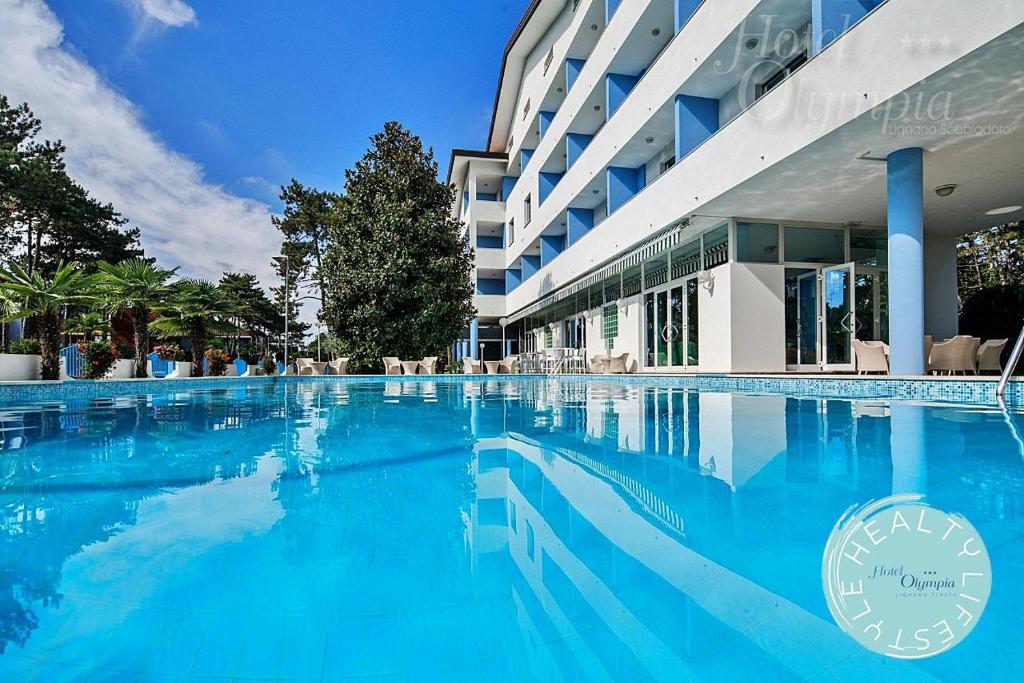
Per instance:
x=696, y=121
x=623, y=183
x=905, y=186
x=831, y=19
x=609, y=9
x=550, y=247
x=513, y=278
x=546, y=182
x=578, y=223
x=683, y=10
x=575, y=143
x=617, y=86
x=474, y=339
x=941, y=318
x=531, y=264
x=544, y=123
x=572, y=71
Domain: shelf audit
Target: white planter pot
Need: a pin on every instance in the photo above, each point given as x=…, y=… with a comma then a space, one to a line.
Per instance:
x=181, y=369
x=124, y=368
x=16, y=367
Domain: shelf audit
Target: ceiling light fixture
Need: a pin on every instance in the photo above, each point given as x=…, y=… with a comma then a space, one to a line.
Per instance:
x=751, y=44
x=593, y=27
x=597, y=107
x=945, y=190
x=655, y=32
x=649, y=139
x=1004, y=209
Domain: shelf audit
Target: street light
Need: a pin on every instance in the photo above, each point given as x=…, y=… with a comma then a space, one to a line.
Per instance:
x=503, y=322
x=279, y=259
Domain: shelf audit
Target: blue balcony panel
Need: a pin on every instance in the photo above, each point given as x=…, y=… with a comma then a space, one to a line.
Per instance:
x=696, y=121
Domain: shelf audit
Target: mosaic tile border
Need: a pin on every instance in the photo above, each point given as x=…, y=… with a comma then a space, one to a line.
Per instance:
x=979, y=391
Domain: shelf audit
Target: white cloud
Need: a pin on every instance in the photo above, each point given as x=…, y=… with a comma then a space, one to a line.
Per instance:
x=167, y=12
x=184, y=219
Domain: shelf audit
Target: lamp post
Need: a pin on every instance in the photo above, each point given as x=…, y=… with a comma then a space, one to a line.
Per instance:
x=279, y=259
x=503, y=322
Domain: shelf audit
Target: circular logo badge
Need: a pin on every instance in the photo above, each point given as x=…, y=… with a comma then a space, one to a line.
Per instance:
x=904, y=579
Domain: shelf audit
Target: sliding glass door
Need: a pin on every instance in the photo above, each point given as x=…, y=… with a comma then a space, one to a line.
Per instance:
x=670, y=327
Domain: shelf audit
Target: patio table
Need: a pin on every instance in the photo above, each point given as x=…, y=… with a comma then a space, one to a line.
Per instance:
x=319, y=368
x=491, y=366
x=410, y=367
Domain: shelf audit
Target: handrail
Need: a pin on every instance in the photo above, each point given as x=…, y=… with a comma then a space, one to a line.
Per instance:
x=1011, y=364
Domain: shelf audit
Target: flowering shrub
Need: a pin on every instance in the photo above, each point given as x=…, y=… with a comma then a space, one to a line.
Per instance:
x=28, y=347
x=97, y=358
x=171, y=352
x=269, y=365
x=217, y=362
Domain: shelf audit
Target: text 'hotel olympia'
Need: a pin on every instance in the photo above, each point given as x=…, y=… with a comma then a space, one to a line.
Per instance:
x=739, y=185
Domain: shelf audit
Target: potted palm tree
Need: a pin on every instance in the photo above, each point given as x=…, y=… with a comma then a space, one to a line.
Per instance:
x=197, y=310
x=47, y=299
x=134, y=285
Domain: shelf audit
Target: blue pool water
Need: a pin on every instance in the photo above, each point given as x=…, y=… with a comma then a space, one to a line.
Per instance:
x=468, y=530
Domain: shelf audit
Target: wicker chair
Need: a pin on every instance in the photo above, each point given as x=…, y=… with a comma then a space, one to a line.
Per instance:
x=392, y=366
x=954, y=355
x=470, y=366
x=508, y=364
x=990, y=356
x=428, y=366
x=870, y=357
x=618, y=365
x=339, y=366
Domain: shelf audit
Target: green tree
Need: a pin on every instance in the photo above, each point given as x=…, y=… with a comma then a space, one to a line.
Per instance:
x=396, y=268
x=90, y=325
x=291, y=283
x=134, y=286
x=304, y=224
x=254, y=312
x=46, y=218
x=197, y=310
x=47, y=298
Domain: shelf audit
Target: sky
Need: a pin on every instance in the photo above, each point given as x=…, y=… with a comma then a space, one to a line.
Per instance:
x=188, y=115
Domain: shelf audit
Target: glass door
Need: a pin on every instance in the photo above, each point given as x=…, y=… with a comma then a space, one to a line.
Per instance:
x=839, y=319
x=670, y=341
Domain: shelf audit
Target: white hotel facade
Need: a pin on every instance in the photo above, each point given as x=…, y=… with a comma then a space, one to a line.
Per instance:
x=740, y=185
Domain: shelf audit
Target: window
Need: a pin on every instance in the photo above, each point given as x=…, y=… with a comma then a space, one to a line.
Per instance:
x=548, y=337
x=814, y=245
x=548, y=60
x=526, y=109
x=782, y=74
x=511, y=231
x=666, y=164
x=869, y=247
x=527, y=209
x=757, y=242
x=610, y=322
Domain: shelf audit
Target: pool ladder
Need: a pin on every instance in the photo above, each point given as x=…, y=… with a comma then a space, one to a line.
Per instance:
x=1011, y=365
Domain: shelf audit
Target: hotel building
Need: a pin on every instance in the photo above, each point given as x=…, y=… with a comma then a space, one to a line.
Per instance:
x=740, y=185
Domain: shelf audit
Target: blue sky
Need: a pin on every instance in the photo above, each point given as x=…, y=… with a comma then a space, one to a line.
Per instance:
x=188, y=114
x=259, y=91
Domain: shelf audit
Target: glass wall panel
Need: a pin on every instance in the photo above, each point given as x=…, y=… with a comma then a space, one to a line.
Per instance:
x=869, y=247
x=649, y=329
x=686, y=259
x=692, y=355
x=815, y=245
x=757, y=242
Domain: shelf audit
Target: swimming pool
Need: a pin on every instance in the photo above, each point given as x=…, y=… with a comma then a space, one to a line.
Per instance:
x=520, y=529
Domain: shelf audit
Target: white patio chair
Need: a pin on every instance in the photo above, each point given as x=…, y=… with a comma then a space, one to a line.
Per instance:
x=990, y=356
x=304, y=366
x=870, y=357
x=428, y=366
x=392, y=366
x=954, y=355
x=507, y=365
x=339, y=366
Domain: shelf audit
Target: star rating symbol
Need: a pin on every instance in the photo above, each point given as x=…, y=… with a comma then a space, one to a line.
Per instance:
x=907, y=41
x=945, y=42
x=926, y=42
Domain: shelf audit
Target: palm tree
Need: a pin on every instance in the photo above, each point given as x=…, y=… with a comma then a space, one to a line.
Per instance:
x=89, y=325
x=135, y=285
x=47, y=299
x=197, y=309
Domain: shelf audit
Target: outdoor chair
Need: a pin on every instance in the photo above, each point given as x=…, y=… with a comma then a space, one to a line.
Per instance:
x=954, y=355
x=598, y=363
x=392, y=366
x=870, y=357
x=928, y=344
x=339, y=366
x=470, y=366
x=990, y=356
x=507, y=365
x=304, y=366
x=617, y=365
x=428, y=365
